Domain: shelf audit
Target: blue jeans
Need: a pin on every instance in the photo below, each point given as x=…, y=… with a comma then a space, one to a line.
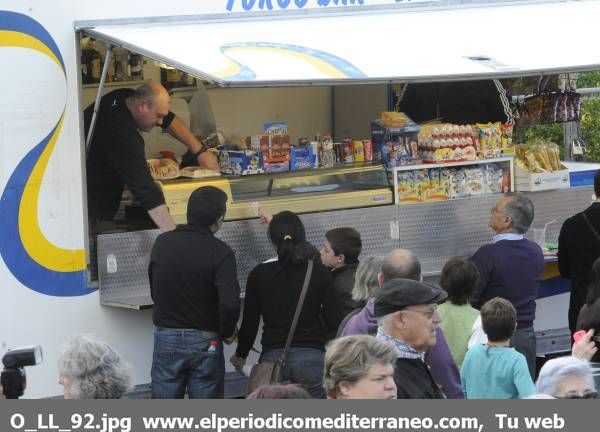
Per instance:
x=187, y=359
x=303, y=366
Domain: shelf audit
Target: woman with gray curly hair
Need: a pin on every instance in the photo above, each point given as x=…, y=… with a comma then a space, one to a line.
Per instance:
x=359, y=367
x=90, y=369
x=362, y=321
x=567, y=378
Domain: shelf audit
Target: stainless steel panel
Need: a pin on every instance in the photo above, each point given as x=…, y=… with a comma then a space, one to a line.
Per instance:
x=123, y=268
x=433, y=231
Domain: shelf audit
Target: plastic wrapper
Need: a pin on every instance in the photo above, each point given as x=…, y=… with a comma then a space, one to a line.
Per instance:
x=163, y=169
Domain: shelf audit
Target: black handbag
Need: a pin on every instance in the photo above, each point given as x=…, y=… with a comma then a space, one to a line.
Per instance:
x=269, y=372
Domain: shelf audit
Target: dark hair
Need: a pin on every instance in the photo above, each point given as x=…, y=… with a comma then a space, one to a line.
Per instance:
x=593, y=292
x=206, y=205
x=459, y=278
x=597, y=184
x=286, y=232
x=498, y=318
x=345, y=241
x=401, y=264
x=591, y=320
x=280, y=391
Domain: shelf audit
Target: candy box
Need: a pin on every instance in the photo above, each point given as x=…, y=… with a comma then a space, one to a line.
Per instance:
x=239, y=162
x=301, y=158
x=407, y=136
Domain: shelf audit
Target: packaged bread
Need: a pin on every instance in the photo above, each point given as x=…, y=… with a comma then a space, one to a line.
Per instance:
x=197, y=172
x=163, y=169
x=394, y=119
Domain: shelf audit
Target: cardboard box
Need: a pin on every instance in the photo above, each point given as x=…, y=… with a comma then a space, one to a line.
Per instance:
x=301, y=158
x=239, y=162
x=526, y=181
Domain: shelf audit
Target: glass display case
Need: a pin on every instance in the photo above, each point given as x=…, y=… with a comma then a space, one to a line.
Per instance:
x=343, y=187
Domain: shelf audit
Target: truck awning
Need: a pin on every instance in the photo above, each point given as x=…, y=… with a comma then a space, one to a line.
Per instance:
x=369, y=45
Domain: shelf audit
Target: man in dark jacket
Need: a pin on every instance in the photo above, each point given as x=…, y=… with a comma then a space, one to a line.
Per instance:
x=407, y=314
x=194, y=286
x=578, y=248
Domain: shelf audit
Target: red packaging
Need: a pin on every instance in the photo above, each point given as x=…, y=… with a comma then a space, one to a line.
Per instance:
x=368, y=149
x=347, y=151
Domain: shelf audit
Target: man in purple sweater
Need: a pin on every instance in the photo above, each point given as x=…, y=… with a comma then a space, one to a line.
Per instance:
x=511, y=267
x=402, y=263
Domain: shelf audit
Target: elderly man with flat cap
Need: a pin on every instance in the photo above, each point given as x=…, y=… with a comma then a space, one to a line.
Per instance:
x=406, y=312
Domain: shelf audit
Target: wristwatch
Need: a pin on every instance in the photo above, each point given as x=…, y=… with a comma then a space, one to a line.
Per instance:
x=202, y=150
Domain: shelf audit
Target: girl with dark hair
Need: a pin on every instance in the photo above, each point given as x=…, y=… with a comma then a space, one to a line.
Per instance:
x=272, y=293
x=459, y=319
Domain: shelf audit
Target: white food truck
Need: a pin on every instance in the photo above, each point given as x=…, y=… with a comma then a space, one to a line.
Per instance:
x=270, y=46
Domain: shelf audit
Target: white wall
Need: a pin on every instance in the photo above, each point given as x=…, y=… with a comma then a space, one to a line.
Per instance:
x=244, y=111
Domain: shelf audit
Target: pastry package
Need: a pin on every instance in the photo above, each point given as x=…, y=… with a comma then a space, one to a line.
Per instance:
x=163, y=169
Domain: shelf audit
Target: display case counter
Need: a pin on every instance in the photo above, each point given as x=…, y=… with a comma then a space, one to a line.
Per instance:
x=324, y=189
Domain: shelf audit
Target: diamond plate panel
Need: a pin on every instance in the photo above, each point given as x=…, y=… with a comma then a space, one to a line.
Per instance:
x=123, y=267
x=433, y=231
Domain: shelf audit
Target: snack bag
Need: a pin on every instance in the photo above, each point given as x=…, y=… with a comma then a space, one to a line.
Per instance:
x=507, y=134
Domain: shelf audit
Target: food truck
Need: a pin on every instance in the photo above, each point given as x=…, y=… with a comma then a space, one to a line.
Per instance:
x=322, y=66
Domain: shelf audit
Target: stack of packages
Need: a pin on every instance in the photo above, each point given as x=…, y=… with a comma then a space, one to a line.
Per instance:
x=538, y=157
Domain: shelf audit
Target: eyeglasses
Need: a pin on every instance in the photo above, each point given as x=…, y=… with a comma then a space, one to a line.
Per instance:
x=426, y=313
x=586, y=395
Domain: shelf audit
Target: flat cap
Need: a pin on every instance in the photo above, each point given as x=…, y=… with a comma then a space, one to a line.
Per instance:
x=396, y=294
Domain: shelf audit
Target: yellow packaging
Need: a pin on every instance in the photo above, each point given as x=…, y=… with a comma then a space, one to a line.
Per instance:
x=393, y=119
x=359, y=151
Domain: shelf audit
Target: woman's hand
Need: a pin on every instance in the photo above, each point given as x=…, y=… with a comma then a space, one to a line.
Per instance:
x=585, y=348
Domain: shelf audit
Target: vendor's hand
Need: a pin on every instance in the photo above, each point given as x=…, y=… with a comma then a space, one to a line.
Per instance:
x=238, y=363
x=585, y=348
x=208, y=160
x=265, y=216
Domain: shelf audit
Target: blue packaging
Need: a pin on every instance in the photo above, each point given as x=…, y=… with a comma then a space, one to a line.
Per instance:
x=301, y=158
x=239, y=162
x=394, y=146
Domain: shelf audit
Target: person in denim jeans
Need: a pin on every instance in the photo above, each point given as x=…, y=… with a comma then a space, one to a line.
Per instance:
x=272, y=292
x=193, y=281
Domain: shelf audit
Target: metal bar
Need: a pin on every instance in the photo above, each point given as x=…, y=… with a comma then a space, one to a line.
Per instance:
x=98, y=97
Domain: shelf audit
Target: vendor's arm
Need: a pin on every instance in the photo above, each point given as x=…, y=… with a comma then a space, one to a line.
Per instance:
x=162, y=218
x=127, y=158
x=182, y=133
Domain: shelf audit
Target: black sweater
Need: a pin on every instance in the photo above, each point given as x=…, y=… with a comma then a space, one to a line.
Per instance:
x=272, y=293
x=117, y=158
x=193, y=281
x=578, y=248
x=414, y=380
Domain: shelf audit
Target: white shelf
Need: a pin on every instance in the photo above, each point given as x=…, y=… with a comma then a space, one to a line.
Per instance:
x=504, y=159
x=452, y=164
x=116, y=84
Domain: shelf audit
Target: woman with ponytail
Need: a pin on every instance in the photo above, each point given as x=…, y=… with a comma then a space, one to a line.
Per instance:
x=272, y=293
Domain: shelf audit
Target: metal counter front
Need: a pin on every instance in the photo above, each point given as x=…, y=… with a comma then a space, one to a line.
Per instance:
x=434, y=231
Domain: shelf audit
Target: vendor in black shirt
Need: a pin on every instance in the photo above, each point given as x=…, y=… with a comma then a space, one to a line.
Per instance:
x=117, y=158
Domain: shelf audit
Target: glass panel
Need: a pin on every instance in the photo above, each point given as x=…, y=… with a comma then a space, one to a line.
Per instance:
x=316, y=182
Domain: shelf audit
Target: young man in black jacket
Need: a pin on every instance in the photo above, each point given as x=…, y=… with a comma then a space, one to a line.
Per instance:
x=194, y=286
